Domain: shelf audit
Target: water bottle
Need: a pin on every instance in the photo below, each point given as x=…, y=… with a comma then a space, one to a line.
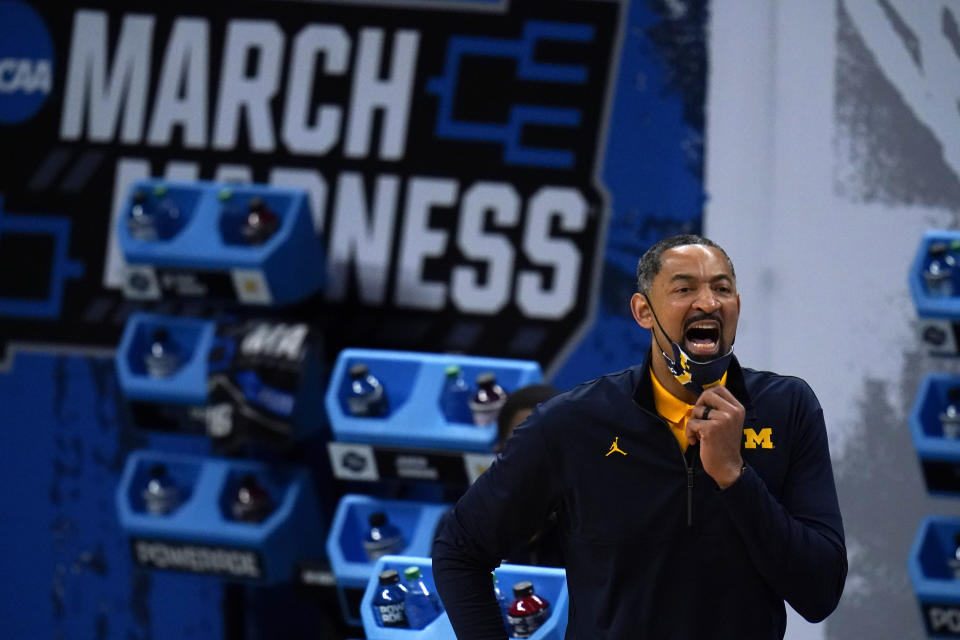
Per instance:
x=528, y=612
x=502, y=602
x=950, y=416
x=383, y=538
x=367, y=397
x=422, y=605
x=455, y=398
x=156, y=218
x=389, y=601
x=166, y=214
x=486, y=402
x=260, y=222
x=954, y=562
x=161, y=495
x=162, y=358
x=939, y=272
x=140, y=219
x=252, y=503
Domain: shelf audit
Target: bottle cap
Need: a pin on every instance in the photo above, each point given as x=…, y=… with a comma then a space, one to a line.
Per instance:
x=256, y=203
x=225, y=194
x=139, y=196
x=937, y=249
x=160, y=335
x=160, y=190
x=953, y=394
x=378, y=519
x=389, y=576
x=452, y=370
x=250, y=490
x=485, y=379
x=158, y=471
x=411, y=573
x=523, y=589
x=359, y=370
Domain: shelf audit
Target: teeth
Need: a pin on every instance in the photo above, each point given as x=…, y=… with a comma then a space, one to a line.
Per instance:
x=703, y=325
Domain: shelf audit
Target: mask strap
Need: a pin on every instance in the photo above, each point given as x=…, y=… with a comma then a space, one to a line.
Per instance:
x=674, y=364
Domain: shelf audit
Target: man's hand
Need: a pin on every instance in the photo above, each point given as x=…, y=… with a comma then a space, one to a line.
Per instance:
x=716, y=422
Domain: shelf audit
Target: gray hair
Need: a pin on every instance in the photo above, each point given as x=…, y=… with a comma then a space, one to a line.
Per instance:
x=651, y=262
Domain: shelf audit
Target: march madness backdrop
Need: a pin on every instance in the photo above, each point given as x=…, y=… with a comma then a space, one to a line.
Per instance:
x=483, y=176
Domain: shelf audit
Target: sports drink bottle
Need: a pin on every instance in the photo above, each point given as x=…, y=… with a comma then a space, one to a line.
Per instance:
x=486, y=402
x=366, y=397
x=528, y=612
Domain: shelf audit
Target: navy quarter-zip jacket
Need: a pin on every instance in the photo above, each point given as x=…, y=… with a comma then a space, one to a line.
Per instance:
x=653, y=548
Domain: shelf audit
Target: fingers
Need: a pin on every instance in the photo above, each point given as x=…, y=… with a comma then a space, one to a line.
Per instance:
x=717, y=398
x=714, y=408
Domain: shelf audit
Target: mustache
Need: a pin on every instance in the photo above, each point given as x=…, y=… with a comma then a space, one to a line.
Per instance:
x=715, y=316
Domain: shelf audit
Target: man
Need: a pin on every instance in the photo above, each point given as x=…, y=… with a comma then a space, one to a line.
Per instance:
x=694, y=496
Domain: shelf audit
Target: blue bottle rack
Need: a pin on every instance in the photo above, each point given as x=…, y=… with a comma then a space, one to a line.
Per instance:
x=414, y=384
x=417, y=522
x=200, y=536
x=228, y=384
x=939, y=456
x=192, y=338
x=939, y=315
x=936, y=586
x=206, y=257
x=548, y=582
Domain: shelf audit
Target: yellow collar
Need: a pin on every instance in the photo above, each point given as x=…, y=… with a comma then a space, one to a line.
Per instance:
x=670, y=406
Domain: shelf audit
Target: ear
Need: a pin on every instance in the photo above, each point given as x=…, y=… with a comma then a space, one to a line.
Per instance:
x=641, y=310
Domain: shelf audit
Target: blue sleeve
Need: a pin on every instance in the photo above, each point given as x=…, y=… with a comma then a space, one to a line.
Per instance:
x=797, y=543
x=505, y=506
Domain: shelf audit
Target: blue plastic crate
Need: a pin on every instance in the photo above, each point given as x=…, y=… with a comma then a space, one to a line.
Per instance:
x=199, y=536
x=188, y=384
x=932, y=306
x=414, y=383
x=934, y=583
x=417, y=522
x=939, y=456
x=549, y=583
x=269, y=397
x=287, y=267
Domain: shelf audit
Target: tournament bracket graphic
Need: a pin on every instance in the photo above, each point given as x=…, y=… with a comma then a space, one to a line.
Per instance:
x=451, y=156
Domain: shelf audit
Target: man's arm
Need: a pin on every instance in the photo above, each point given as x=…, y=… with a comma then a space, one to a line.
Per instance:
x=797, y=543
x=505, y=506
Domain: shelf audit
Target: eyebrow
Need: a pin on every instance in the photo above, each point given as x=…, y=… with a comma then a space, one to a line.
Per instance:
x=689, y=277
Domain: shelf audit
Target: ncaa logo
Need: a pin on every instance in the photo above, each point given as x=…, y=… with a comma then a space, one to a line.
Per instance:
x=26, y=62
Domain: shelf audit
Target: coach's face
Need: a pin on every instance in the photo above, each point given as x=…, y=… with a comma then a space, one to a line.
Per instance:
x=695, y=298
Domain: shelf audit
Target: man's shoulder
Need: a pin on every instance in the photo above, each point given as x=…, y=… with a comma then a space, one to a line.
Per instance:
x=600, y=392
x=761, y=381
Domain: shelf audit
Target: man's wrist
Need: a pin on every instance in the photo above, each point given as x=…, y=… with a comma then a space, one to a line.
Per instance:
x=733, y=478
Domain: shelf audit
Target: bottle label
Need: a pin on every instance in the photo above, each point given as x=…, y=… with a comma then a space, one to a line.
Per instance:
x=376, y=548
x=369, y=404
x=524, y=626
x=485, y=413
x=392, y=614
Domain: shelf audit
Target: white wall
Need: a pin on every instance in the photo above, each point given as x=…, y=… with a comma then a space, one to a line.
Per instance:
x=821, y=210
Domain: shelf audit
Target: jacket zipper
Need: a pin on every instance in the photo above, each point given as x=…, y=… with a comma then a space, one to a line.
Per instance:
x=688, y=467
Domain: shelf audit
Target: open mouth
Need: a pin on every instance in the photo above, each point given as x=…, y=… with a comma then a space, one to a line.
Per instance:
x=702, y=338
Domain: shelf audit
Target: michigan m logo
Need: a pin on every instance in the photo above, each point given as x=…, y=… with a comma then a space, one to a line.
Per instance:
x=764, y=438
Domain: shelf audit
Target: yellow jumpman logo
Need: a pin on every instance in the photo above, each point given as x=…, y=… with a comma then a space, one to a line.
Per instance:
x=614, y=447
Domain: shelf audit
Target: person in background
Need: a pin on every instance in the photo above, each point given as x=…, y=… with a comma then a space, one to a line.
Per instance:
x=544, y=548
x=519, y=405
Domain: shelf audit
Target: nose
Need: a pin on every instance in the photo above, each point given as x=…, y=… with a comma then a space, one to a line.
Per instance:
x=707, y=300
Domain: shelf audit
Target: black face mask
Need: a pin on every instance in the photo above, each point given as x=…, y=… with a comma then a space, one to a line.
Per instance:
x=693, y=374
